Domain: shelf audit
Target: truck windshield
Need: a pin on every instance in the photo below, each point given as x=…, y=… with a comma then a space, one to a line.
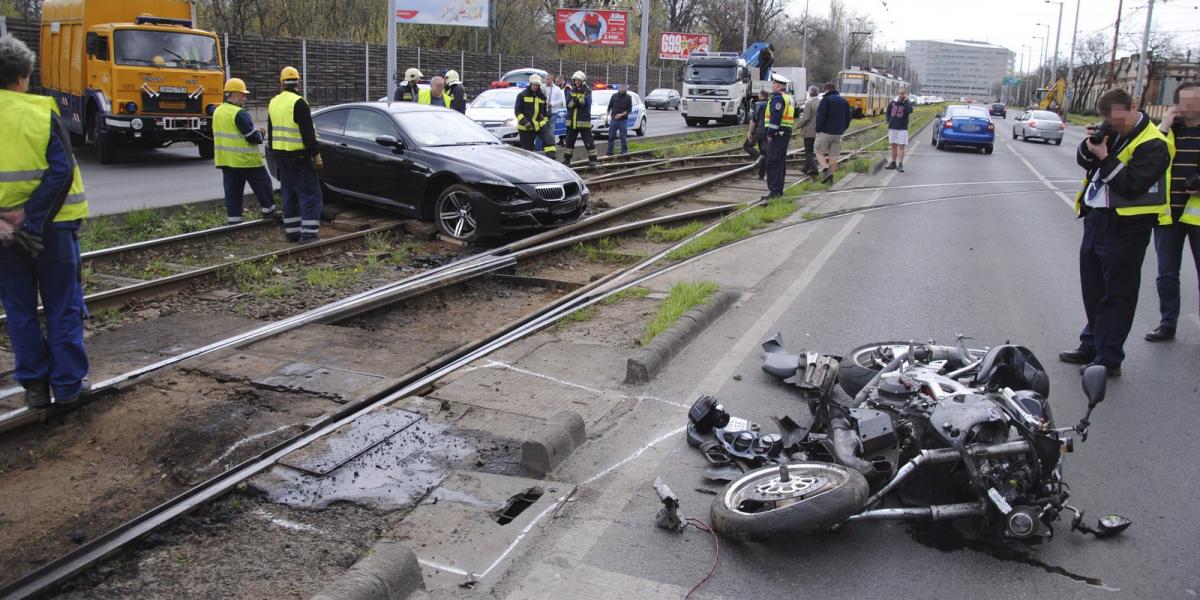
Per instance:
x=851, y=85
x=165, y=49
x=718, y=74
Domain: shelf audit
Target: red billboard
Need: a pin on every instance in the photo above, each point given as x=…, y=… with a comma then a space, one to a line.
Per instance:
x=591, y=27
x=678, y=46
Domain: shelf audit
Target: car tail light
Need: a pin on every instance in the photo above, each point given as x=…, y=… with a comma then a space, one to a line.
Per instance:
x=1033, y=124
x=991, y=126
x=947, y=124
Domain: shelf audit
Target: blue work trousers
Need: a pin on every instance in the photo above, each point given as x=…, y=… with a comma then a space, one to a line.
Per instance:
x=1168, y=245
x=235, y=191
x=777, y=147
x=55, y=354
x=301, y=191
x=1110, y=273
x=619, y=128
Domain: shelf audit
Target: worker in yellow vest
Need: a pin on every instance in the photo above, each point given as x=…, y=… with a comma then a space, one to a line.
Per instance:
x=236, y=154
x=436, y=94
x=42, y=204
x=293, y=143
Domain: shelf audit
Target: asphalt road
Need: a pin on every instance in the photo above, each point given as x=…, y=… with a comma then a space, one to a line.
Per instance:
x=177, y=175
x=996, y=261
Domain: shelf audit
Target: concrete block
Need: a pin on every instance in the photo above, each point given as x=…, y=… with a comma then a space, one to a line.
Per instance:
x=650, y=360
x=389, y=571
x=343, y=224
x=553, y=442
x=421, y=230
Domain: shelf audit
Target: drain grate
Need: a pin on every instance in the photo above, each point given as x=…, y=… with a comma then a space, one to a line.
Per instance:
x=517, y=505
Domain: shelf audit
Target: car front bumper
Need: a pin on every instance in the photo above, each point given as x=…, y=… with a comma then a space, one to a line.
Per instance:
x=527, y=211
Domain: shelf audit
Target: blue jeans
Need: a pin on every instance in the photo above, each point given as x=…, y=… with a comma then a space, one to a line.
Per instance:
x=620, y=128
x=1168, y=245
x=301, y=191
x=56, y=354
x=235, y=190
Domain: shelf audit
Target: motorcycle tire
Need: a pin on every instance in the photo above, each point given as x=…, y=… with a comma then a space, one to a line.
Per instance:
x=759, y=507
x=860, y=366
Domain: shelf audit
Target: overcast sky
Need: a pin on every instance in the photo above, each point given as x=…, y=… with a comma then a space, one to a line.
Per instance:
x=1011, y=23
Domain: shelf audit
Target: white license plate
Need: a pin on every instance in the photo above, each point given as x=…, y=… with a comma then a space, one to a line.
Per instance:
x=970, y=128
x=168, y=89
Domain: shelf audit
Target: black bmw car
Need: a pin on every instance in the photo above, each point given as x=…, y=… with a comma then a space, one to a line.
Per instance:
x=435, y=164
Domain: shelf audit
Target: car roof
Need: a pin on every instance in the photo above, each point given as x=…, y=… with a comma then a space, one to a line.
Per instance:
x=392, y=107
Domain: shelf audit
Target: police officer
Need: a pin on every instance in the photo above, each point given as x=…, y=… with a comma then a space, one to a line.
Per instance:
x=293, y=142
x=458, y=95
x=436, y=94
x=235, y=152
x=579, y=117
x=781, y=114
x=1124, y=196
x=41, y=206
x=409, y=91
x=533, y=117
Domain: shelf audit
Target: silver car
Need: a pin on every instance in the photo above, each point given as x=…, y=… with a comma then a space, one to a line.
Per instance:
x=1039, y=125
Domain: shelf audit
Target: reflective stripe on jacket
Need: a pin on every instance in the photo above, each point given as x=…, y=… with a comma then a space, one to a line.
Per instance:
x=789, y=111
x=285, y=132
x=579, y=107
x=1154, y=201
x=230, y=148
x=531, y=110
x=25, y=120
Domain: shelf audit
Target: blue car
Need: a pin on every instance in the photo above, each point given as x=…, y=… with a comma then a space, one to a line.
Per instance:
x=965, y=125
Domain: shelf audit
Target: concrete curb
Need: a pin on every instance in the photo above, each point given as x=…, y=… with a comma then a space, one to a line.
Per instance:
x=389, y=571
x=553, y=442
x=649, y=361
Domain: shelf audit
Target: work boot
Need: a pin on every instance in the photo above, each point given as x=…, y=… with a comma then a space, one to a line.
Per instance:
x=85, y=388
x=567, y=158
x=900, y=167
x=309, y=238
x=291, y=238
x=1112, y=371
x=273, y=213
x=1161, y=334
x=1077, y=356
x=592, y=160
x=827, y=177
x=37, y=394
x=891, y=165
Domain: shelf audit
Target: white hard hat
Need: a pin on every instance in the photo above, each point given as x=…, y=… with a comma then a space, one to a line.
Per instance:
x=413, y=74
x=778, y=78
x=452, y=77
x=579, y=75
x=535, y=78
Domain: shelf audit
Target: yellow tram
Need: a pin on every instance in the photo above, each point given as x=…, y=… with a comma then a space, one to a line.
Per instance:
x=868, y=92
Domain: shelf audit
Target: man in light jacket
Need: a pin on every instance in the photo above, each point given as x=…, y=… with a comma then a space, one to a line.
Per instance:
x=807, y=126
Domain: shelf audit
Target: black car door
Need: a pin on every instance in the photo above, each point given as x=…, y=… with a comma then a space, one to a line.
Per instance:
x=371, y=166
x=330, y=126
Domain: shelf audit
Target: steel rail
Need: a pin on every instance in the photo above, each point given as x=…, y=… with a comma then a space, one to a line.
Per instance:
x=108, y=253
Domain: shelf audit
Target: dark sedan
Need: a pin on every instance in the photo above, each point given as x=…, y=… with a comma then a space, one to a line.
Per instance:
x=998, y=109
x=663, y=99
x=438, y=165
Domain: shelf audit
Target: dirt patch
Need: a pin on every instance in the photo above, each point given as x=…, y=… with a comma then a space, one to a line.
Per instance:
x=620, y=324
x=83, y=473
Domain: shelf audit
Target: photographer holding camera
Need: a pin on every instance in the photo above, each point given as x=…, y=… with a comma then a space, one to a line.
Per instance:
x=1124, y=197
x=1181, y=124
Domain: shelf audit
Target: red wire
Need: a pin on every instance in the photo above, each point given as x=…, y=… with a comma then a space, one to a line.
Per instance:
x=699, y=524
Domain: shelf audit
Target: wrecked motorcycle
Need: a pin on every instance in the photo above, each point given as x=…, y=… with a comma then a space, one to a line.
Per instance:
x=932, y=433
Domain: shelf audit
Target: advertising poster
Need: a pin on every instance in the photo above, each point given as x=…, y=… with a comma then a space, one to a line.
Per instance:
x=679, y=46
x=467, y=13
x=591, y=27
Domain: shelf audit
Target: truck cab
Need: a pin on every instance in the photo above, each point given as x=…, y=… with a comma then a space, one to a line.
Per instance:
x=131, y=73
x=720, y=86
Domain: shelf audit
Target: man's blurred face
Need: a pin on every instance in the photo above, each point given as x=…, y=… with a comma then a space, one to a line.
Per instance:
x=1122, y=118
x=903, y=94
x=237, y=98
x=1189, y=103
x=778, y=87
x=436, y=86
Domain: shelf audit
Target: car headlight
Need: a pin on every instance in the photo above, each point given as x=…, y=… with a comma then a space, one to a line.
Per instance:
x=495, y=182
x=136, y=124
x=512, y=122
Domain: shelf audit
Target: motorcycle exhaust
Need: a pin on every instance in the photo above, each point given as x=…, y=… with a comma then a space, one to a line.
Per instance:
x=948, y=455
x=937, y=512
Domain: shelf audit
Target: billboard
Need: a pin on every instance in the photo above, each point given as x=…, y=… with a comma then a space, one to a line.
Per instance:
x=678, y=46
x=467, y=13
x=591, y=27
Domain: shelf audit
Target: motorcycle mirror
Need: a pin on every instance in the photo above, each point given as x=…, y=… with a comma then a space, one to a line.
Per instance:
x=1095, y=384
x=1111, y=525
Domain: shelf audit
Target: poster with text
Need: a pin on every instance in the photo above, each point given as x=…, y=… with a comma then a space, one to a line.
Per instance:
x=467, y=13
x=591, y=27
x=679, y=46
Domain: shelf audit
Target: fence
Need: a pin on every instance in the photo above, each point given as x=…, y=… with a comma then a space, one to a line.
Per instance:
x=336, y=71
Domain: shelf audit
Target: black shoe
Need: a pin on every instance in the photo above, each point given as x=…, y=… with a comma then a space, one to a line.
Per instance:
x=1078, y=357
x=291, y=238
x=37, y=394
x=891, y=165
x=762, y=176
x=900, y=167
x=1161, y=334
x=308, y=239
x=85, y=388
x=827, y=178
x=1112, y=371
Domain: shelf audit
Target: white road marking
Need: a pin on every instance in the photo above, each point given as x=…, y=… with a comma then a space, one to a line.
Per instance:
x=496, y=364
x=1070, y=201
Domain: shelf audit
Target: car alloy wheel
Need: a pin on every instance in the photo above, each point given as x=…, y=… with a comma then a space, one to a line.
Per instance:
x=455, y=217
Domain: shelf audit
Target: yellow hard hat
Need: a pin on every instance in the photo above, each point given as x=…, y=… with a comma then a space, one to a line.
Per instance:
x=236, y=85
x=289, y=74
x=452, y=77
x=413, y=74
x=535, y=78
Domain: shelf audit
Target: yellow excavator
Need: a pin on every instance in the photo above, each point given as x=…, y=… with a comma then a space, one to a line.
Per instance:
x=1052, y=98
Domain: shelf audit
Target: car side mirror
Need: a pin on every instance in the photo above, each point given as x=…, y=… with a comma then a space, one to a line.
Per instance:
x=390, y=142
x=937, y=116
x=1095, y=384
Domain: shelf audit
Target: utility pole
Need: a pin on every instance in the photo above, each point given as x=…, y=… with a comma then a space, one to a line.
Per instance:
x=391, y=50
x=1141, y=70
x=1070, y=92
x=804, y=47
x=1057, y=35
x=745, y=24
x=1112, y=64
x=645, y=48
x=845, y=44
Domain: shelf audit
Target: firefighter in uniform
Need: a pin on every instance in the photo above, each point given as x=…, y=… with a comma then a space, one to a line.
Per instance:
x=579, y=118
x=235, y=153
x=293, y=143
x=436, y=94
x=781, y=113
x=41, y=206
x=533, y=117
x=454, y=88
x=409, y=91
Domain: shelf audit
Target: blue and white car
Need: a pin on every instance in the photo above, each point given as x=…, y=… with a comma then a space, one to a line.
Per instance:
x=965, y=125
x=493, y=109
x=637, y=116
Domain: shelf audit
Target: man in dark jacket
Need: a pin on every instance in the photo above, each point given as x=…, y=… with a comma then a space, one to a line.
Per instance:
x=579, y=117
x=1124, y=197
x=756, y=137
x=766, y=59
x=619, y=107
x=454, y=87
x=409, y=91
x=833, y=119
x=533, y=118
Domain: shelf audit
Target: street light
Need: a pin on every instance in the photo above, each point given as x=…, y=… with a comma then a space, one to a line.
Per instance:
x=1070, y=95
x=1057, y=35
x=1025, y=48
x=1042, y=56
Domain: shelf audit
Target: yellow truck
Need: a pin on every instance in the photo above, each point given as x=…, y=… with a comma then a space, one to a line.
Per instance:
x=131, y=74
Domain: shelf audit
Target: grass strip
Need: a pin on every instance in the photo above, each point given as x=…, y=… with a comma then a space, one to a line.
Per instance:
x=683, y=296
x=144, y=224
x=736, y=228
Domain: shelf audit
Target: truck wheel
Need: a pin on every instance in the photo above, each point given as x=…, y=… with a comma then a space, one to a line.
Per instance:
x=691, y=122
x=742, y=116
x=105, y=144
x=206, y=149
x=761, y=507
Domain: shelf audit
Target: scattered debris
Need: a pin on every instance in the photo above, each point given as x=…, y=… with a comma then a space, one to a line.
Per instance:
x=668, y=515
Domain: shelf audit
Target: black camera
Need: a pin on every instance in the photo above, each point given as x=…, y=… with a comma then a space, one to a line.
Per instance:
x=1100, y=132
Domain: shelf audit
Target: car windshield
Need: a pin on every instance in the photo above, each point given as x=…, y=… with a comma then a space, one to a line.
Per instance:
x=719, y=74
x=1043, y=115
x=660, y=93
x=966, y=111
x=495, y=99
x=165, y=49
x=851, y=85
x=443, y=128
x=522, y=77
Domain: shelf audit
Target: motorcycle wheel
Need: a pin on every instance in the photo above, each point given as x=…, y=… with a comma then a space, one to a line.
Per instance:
x=862, y=363
x=760, y=507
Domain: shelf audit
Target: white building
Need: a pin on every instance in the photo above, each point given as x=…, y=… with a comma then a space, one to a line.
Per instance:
x=958, y=68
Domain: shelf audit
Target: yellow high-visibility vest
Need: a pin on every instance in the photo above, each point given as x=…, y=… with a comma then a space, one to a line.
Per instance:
x=789, y=112
x=230, y=148
x=285, y=132
x=1156, y=200
x=25, y=121
x=426, y=97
